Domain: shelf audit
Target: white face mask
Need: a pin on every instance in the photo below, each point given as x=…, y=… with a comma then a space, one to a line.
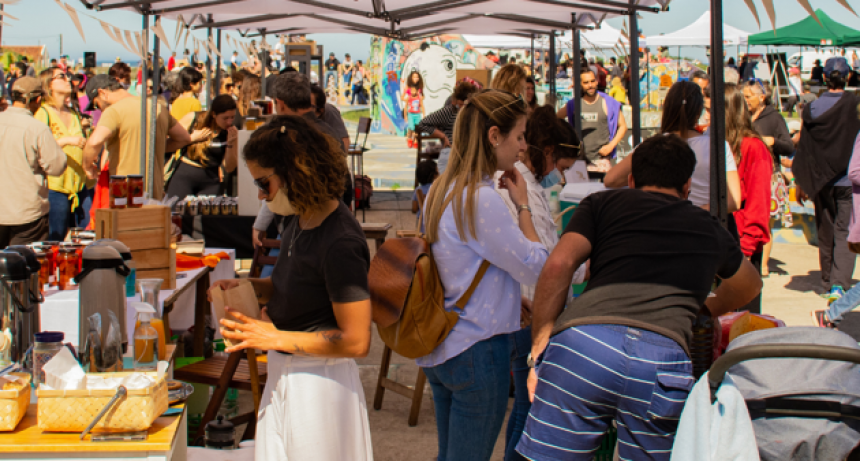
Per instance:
x=281, y=205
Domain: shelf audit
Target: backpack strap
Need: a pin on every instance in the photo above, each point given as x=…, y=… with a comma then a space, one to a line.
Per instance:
x=461, y=303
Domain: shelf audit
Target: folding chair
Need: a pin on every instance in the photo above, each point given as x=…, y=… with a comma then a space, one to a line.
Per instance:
x=233, y=371
x=358, y=152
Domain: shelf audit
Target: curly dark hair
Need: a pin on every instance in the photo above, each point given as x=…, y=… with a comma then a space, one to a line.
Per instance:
x=543, y=130
x=308, y=162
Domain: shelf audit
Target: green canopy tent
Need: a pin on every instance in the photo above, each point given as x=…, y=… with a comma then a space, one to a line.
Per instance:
x=808, y=32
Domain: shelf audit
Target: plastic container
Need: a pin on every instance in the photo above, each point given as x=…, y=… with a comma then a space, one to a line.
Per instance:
x=118, y=192
x=573, y=194
x=135, y=191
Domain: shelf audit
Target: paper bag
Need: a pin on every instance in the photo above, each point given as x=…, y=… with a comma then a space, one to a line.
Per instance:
x=241, y=298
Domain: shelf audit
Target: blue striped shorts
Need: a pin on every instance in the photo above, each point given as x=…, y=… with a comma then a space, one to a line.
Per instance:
x=593, y=374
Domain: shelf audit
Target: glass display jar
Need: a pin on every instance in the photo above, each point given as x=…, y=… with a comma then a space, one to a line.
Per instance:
x=45, y=270
x=135, y=191
x=47, y=345
x=52, y=250
x=118, y=192
x=68, y=262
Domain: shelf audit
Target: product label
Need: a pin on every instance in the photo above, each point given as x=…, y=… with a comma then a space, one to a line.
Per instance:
x=120, y=201
x=137, y=201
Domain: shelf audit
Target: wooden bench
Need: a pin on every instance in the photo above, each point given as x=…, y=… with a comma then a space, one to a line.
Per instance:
x=377, y=232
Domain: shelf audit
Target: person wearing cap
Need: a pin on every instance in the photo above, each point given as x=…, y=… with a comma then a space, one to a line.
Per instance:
x=28, y=154
x=331, y=65
x=830, y=126
x=119, y=131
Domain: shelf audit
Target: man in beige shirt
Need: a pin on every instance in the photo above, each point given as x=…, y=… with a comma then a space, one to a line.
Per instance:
x=119, y=131
x=28, y=153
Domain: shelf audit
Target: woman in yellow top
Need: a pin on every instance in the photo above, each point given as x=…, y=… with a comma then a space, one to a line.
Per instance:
x=65, y=125
x=189, y=83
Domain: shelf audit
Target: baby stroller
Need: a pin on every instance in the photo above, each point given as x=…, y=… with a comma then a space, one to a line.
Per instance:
x=802, y=388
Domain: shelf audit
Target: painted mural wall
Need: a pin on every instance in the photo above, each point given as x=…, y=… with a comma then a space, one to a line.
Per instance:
x=436, y=59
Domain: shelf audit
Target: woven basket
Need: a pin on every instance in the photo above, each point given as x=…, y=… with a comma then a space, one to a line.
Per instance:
x=72, y=411
x=13, y=404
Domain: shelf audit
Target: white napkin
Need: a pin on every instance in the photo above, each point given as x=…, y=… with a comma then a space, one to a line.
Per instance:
x=63, y=372
x=133, y=381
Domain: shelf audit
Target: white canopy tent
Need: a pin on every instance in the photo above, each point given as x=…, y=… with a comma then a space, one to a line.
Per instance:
x=606, y=37
x=699, y=34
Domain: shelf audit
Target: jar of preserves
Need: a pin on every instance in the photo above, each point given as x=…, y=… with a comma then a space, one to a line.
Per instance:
x=45, y=270
x=68, y=266
x=135, y=191
x=51, y=250
x=118, y=192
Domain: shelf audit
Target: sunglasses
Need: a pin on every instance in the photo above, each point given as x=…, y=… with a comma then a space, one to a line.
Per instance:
x=759, y=82
x=229, y=86
x=263, y=183
x=62, y=76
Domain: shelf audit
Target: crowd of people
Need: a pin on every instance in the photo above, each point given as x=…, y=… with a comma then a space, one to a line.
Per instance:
x=619, y=353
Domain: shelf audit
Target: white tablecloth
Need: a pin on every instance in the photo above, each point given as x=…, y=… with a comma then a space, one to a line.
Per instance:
x=61, y=311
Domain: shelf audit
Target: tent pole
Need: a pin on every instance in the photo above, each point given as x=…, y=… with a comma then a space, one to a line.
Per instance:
x=552, y=65
x=209, y=66
x=718, y=117
x=679, y=64
x=575, y=79
x=143, y=96
x=533, y=57
x=635, y=97
x=218, y=62
x=262, y=57
x=153, y=114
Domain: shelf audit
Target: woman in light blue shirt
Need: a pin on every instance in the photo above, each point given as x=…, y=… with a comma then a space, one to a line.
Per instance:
x=467, y=222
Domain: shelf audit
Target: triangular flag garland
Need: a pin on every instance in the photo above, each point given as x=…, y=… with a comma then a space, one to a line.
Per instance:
x=74, y=15
x=751, y=6
x=179, y=23
x=159, y=32
x=6, y=15
x=214, y=47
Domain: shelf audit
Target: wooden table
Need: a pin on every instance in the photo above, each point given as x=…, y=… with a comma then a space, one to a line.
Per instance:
x=167, y=441
x=377, y=232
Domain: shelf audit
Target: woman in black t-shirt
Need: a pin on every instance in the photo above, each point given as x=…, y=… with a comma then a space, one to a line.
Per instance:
x=317, y=315
x=200, y=167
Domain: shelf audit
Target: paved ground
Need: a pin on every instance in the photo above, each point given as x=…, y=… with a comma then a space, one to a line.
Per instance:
x=790, y=293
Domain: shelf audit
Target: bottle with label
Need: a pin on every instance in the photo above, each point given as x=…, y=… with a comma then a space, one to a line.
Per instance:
x=145, y=339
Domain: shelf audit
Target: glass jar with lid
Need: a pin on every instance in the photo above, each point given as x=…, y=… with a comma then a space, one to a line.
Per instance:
x=68, y=263
x=135, y=191
x=118, y=192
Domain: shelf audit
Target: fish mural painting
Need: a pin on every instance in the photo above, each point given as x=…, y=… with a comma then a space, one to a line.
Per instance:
x=436, y=59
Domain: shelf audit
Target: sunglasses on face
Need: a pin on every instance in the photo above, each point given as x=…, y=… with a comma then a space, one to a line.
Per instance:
x=61, y=76
x=263, y=183
x=229, y=86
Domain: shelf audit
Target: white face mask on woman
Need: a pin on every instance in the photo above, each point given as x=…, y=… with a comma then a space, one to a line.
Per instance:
x=281, y=205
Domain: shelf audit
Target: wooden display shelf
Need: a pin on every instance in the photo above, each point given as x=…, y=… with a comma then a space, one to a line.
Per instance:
x=167, y=434
x=146, y=232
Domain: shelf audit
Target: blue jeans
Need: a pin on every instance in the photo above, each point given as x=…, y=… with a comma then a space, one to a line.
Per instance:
x=521, y=345
x=846, y=303
x=470, y=394
x=332, y=73
x=60, y=216
x=82, y=214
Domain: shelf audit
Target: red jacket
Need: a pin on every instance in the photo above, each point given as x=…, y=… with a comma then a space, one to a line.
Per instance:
x=753, y=219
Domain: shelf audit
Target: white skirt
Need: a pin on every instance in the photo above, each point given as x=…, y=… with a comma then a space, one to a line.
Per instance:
x=312, y=409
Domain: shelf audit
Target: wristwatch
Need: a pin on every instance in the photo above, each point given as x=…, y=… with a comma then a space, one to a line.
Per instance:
x=524, y=207
x=530, y=361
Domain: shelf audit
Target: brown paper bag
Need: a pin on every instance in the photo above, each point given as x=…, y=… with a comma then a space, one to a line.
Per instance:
x=241, y=298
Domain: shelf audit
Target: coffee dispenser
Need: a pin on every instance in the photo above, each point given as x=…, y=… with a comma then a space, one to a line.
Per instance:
x=102, y=288
x=30, y=322
x=14, y=307
x=125, y=254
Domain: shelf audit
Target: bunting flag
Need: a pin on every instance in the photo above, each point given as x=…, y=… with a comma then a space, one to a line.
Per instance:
x=187, y=33
x=7, y=15
x=753, y=10
x=5, y=24
x=159, y=32
x=74, y=17
x=141, y=44
x=806, y=6
x=846, y=5
x=129, y=39
x=8, y=2
x=178, y=34
x=106, y=28
x=214, y=48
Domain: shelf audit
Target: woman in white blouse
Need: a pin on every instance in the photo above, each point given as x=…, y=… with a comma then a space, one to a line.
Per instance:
x=467, y=222
x=551, y=142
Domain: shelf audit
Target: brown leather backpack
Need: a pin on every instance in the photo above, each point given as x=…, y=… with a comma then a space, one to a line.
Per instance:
x=408, y=299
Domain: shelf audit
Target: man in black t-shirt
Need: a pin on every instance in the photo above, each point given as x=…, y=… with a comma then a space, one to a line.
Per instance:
x=621, y=350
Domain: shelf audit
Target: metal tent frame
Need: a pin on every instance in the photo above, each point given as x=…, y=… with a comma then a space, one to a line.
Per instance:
x=415, y=19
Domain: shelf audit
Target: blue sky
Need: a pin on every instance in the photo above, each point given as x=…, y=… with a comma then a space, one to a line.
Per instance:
x=42, y=22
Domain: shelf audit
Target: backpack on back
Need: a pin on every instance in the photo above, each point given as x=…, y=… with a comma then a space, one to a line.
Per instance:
x=408, y=299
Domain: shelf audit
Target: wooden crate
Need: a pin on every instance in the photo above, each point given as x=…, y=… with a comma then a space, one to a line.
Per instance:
x=146, y=232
